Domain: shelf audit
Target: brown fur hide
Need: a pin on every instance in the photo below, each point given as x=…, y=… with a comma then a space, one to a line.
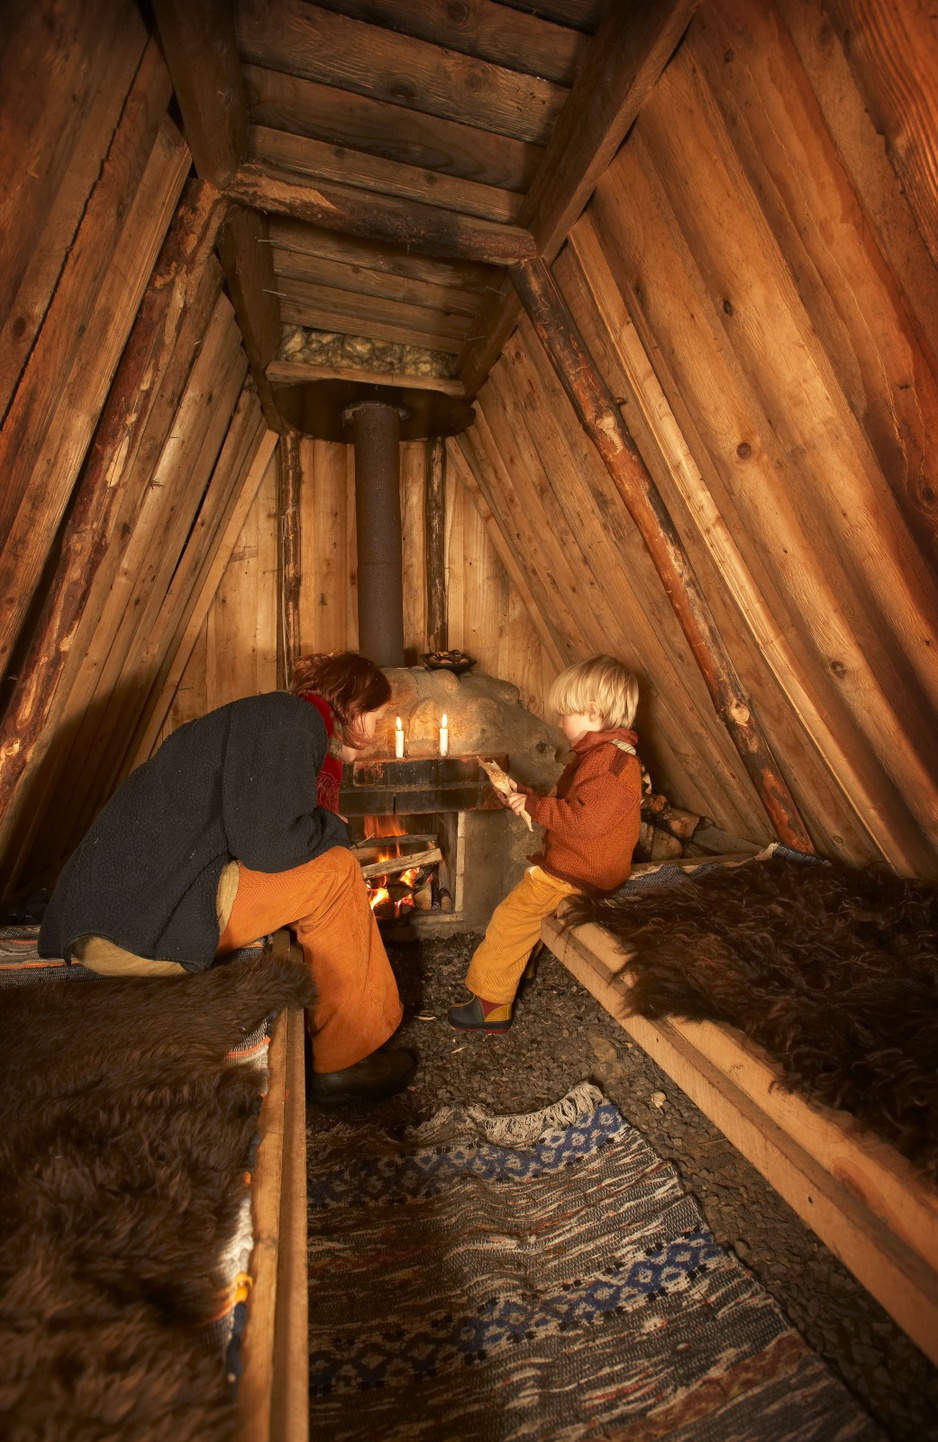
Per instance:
x=833, y=970
x=124, y=1137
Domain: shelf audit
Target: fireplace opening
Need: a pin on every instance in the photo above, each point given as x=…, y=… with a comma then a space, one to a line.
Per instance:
x=407, y=864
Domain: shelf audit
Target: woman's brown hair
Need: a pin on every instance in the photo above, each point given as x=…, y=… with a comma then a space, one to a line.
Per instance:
x=348, y=681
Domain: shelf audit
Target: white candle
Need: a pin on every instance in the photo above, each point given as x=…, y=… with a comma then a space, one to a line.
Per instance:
x=444, y=737
x=398, y=739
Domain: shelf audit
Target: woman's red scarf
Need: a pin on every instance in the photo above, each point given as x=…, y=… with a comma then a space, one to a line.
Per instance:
x=330, y=775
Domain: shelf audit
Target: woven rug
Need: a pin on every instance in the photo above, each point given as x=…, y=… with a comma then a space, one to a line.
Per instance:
x=541, y=1277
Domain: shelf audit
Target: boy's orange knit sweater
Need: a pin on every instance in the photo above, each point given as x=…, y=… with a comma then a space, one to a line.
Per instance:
x=592, y=817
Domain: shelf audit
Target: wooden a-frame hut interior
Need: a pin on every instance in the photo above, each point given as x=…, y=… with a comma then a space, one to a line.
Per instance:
x=484, y=337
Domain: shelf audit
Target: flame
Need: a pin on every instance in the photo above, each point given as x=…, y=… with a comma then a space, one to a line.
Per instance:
x=379, y=895
x=384, y=826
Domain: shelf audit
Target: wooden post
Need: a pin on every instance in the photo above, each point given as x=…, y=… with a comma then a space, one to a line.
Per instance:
x=435, y=541
x=289, y=522
x=601, y=419
x=186, y=251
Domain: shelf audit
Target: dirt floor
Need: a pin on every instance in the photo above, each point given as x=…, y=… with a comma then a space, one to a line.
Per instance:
x=561, y=1035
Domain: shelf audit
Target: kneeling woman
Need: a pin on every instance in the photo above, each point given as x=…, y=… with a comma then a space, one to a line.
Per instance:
x=231, y=831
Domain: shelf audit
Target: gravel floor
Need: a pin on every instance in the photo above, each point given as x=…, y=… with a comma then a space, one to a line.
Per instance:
x=561, y=1036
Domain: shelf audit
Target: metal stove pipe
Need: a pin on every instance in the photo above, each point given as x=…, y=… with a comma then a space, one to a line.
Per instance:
x=376, y=437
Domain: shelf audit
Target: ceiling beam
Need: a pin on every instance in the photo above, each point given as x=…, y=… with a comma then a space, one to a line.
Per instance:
x=622, y=65
x=201, y=49
x=418, y=227
x=247, y=259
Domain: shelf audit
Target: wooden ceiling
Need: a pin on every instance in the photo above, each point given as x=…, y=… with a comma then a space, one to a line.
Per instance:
x=389, y=161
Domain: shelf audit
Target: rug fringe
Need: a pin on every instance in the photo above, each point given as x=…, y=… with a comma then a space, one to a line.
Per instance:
x=527, y=1127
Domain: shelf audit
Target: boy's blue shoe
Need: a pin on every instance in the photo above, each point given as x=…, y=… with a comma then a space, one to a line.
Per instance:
x=476, y=1015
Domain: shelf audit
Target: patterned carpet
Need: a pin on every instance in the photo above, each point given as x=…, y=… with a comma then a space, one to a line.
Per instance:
x=541, y=1277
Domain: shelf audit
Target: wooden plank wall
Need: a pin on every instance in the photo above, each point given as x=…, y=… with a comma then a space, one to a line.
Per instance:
x=90, y=191
x=753, y=279
x=488, y=616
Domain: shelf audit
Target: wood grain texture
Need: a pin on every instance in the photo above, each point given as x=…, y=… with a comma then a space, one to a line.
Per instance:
x=201, y=49
x=887, y=377
x=307, y=40
x=171, y=290
x=617, y=73
x=241, y=468
x=289, y=532
x=150, y=556
x=322, y=161
x=685, y=484
x=413, y=224
x=298, y=238
x=53, y=414
x=435, y=543
x=482, y=28
x=361, y=280
x=446, y=147
x=61, y=94
x=892, y=48
x=245, y=253
x=596, y=409
x=364, y=314
x=732, y=298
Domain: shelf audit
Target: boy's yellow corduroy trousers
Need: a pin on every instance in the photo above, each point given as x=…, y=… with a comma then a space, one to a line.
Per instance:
x=510, y=936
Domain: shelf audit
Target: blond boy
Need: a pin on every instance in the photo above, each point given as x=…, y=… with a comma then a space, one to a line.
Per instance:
x=591, y=821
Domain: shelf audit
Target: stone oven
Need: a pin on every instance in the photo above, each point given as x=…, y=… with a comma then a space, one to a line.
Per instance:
x=446, y=804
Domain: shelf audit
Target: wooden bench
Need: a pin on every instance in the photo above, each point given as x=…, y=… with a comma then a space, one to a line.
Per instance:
x=870, y=1206
x=273, y=1394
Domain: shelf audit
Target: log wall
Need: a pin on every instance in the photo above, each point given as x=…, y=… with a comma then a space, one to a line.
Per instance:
x=754, y=282
x=487, y=615
x=129, y=430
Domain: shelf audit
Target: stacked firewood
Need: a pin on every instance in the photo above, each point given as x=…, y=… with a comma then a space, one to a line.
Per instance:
x=665, y=829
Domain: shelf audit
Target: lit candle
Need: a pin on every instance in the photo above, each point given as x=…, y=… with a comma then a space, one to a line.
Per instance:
x=398, y=739
x=444, y=737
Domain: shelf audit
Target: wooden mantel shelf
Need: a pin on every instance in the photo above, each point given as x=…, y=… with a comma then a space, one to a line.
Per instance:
x=869, y=1205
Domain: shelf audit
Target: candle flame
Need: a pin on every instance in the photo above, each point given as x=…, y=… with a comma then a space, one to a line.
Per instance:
x=397, y=725
x=443, y=722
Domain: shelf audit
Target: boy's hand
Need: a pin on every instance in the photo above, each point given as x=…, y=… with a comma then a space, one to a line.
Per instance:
x=506, y=790
x=516, y=801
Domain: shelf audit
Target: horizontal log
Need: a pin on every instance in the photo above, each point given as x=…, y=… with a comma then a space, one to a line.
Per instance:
x=304, y=107
x=382, y=284
x=289, y=372
x=391, y=865
x=305, y=39
x=324, y=162
x=363, y=311
x=421, y=227
x=300, y=239
x=483, y=28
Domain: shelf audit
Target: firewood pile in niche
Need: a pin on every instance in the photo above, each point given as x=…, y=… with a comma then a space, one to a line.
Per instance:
x=401, y=869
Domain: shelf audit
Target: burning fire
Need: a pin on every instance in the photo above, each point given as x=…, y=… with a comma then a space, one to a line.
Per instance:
x=391, y=896
x=384, y=826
